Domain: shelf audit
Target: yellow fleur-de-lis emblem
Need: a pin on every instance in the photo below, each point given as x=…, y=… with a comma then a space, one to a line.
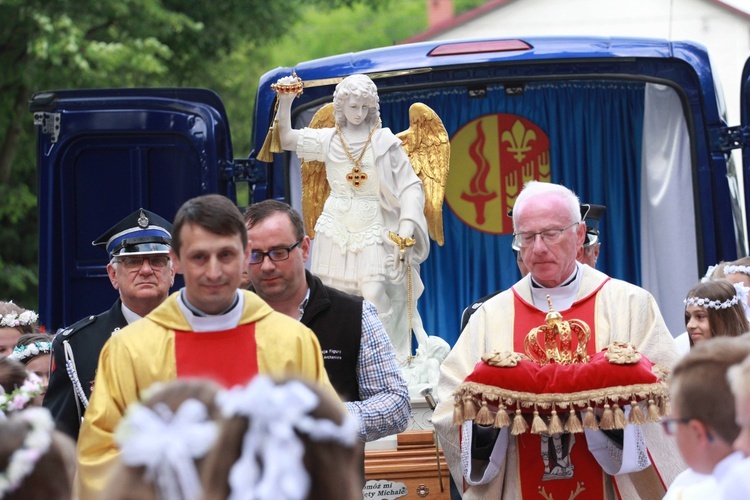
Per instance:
x=519, y=138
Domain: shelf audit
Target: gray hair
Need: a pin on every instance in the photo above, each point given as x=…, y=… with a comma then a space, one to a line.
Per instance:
x=534, y=189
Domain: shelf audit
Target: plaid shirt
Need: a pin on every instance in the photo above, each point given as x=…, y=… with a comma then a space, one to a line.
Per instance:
x=385, y=407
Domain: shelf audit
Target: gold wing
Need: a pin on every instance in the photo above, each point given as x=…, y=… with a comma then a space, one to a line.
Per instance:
x=428, y=147
x=315, y=188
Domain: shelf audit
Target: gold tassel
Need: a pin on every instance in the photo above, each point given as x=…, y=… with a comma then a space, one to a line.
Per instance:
x=502, y=419
x=470, y=411
x=555, y=425
x=519, y=423
x=636, y=413
x=573, y=425
x=271, y=145
x=458, y=414
x=664, y=408
x=620, y=422
x=537, y=424
x=589, y=420
x=484, y=417
x=607, y=422
x=653, y=412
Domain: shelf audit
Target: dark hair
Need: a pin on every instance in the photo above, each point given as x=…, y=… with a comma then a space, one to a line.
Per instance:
x=332, y=467
x=12, y=374
x=728, y=322
x=213, y=212
x=258, y=212
x=703, y=391
x=129, y=482
x=52, y=476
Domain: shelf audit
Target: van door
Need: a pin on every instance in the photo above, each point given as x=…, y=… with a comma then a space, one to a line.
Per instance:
x=104, y=153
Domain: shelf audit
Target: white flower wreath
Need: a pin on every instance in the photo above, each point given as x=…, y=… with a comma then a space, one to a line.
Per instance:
x=35, y=445
x=21, y=353
x=21, y=396
x=13, y=319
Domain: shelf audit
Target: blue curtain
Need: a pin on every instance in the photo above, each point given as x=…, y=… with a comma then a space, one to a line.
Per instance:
x=594, y=130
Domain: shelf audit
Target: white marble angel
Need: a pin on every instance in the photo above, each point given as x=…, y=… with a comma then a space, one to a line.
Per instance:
x=370, y=198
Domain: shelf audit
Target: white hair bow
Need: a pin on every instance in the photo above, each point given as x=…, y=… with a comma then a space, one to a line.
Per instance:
x=274, y=413
x=742, y=292
x=167, y=444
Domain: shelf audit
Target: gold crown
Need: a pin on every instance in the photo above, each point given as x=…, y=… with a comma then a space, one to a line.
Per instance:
x=553, y=342
x=291, y=85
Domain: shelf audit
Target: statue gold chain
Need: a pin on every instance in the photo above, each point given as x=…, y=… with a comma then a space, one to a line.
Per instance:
x=356, y=177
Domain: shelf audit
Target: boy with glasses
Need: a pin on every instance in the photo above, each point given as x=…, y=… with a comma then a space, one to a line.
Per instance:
x=702, y=419
x=141, y=272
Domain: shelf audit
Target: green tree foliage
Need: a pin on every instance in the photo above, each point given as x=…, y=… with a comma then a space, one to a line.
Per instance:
x=224, y=45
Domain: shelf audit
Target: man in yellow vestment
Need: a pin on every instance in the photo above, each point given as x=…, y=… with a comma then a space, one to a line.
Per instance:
x=208, y=329
x=548, y=230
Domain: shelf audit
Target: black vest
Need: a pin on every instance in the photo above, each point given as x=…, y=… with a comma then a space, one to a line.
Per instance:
x=336, y=319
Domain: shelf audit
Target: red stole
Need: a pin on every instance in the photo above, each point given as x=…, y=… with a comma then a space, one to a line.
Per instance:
x=567, y=465
x=229, y=357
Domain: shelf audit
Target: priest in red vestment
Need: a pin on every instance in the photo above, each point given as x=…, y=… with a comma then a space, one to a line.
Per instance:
x=625, y=464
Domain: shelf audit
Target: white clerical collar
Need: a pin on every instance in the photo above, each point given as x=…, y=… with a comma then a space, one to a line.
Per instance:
x=562, y=296
x=212, y=323
x=129, y=315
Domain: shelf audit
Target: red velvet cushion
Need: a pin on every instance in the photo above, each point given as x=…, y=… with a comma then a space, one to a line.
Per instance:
x=566, y=383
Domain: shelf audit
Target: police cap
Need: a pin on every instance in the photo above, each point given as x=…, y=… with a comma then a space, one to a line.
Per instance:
x=142, y=232
x=592, y=217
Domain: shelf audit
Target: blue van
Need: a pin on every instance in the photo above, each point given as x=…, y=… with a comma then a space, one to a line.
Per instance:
x=637, y=125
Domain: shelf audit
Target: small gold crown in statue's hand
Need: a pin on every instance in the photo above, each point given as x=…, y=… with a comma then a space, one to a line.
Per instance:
x=288, y=85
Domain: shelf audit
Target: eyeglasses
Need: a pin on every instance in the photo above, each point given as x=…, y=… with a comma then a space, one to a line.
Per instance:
x=157, y=262
x=549, y=236
x=275, y=254
x=670, y=424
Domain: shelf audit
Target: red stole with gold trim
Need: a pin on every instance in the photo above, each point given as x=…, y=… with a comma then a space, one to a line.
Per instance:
x=558, y=466
x=229, y=357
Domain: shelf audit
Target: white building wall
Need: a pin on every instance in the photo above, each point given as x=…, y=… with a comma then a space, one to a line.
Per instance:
x=726, y=34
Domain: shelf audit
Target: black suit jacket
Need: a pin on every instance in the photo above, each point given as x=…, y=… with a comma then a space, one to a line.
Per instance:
x=86, y=339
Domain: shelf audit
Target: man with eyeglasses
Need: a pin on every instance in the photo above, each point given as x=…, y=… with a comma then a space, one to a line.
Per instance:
x=358, y=355
x=549, y=234
x=141, y=271
x=208, y=329
x=589, y=253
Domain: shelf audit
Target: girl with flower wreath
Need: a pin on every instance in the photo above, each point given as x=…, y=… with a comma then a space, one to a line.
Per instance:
x=715, y=309
x=36, y=461
x=163, y=441
x=34, y=350
x=14, y=322
x=18, y=387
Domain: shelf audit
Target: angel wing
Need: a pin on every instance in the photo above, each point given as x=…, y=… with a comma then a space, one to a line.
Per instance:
x=315, y=188
x=428, y=147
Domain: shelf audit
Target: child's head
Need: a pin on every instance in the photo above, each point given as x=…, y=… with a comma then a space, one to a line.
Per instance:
x=38, y=461
x=163, y=441
x=35, y=351
x=14, y=322
x=714, y=309
x=738, y=271
x=703, y=411
x=279, y=435
x=18, y=387
x=739, y=381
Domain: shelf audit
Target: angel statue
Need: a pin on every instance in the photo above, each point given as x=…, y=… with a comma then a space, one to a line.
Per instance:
x=363, y=198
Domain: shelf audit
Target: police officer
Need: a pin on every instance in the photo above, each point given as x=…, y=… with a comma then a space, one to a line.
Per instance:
x=141, y=271
x=591, y=245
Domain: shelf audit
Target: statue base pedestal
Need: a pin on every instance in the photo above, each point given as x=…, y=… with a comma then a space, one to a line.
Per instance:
x=413, y=469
